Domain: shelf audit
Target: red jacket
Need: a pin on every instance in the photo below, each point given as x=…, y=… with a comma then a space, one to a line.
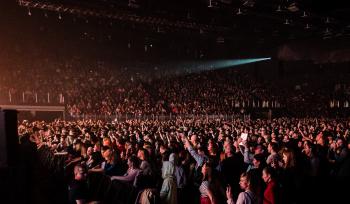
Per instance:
x=270, y=193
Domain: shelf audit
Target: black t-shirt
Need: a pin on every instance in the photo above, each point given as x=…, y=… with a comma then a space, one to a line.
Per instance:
x=78, y=190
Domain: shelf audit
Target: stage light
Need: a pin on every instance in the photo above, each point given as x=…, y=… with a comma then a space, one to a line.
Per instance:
x=304, y=15
x=200, y=66
x=279, y=9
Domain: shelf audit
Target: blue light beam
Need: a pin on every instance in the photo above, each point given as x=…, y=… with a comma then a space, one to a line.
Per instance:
x=220, y=64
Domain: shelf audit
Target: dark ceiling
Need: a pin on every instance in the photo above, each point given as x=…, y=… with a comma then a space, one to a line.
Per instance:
x=193, y=28
x=275, y=19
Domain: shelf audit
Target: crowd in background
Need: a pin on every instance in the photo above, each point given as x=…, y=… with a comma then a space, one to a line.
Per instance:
x=93, y=87
x=96, y=87
x=196, y=161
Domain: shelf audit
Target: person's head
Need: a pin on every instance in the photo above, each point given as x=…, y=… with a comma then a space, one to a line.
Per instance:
x=272, y=147
x=79, y=172
x=133, y=162
x=106, y=142
x=201, y=150
x=119, y=142
x=212, y=148
x=258, y=149
x=268, y=174
x=142, y=154
x=107, y=153
x=148, y=146
x=162, y=148
x=288, y=158
x=273, y=136
x=77, y=145
x=340, y=143
x=244, y=181
x=229, y=150
x=321, y=139
x=194, y=139
x=97, y=147
x=308, y=147
x=206, y=171
x=89, y=151
x=258, y=160
x=260, y=140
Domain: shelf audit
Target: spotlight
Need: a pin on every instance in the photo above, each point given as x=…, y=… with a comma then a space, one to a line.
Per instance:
x=279, y=9
x=286, y=22
x=59, y=16
x=327, y=31
x=307, y=26
x=304, y=15
x=239, y=12
x=29, y=13
x=327, y=20
x=210, y=4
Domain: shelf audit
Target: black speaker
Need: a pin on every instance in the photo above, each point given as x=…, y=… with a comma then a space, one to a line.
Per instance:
x=8, y=138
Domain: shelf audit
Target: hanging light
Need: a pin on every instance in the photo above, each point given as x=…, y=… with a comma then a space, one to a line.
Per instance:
x=327, y=20
x=304, y=15
x=45, y=14
x=279, y=9
x=307, y=26
x=210, y=4
x=239, y=12
x=29, y=13
x=59, y=16
x=286, y=22
x=327, y=31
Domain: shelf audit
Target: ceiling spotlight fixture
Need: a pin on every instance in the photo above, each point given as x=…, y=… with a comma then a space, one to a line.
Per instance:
x=59, y=16
x=239, y=12
x=29, y=13
x=211, y=5
x=327, y=31
x=307, y=26
x=279, y=9
x=286, y=22
x=304, y=15
x=327, y=20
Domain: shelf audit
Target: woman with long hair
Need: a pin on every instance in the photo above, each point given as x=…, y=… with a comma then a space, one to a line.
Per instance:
x=288, y=159
x=288, y=176
x=207, y=195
